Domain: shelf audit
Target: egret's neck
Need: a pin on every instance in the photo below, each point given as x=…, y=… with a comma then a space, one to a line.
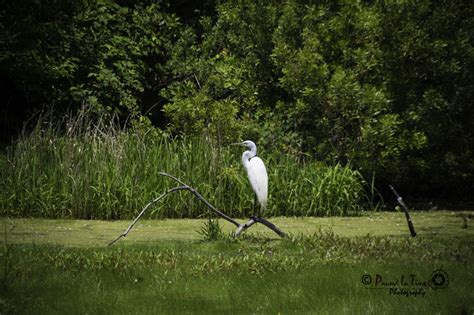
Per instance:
x=253, y=149
x=246, y=156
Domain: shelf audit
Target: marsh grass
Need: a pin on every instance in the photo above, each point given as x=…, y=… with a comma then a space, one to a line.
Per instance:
x=211, y=230
x=58, y=266
x=319, y=273
x=96, y=170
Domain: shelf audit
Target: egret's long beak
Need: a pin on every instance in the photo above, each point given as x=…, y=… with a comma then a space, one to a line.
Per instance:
x=238, y=143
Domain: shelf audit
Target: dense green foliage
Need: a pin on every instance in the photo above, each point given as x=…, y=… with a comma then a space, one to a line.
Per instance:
x=384, y=86
x=95, y=53
x=108, y=173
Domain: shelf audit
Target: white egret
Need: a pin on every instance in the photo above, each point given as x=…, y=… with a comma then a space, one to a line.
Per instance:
x=256, y=172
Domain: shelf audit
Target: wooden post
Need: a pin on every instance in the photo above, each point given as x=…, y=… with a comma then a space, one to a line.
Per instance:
x=405, y=210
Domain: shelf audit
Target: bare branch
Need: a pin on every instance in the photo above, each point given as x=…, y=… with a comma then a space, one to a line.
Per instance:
x=405, y=210
x=240, y=227
x=270, y=225
x=200, y=197
x=173, y=177
x=146, y=208
x=197, y=81
x=245, y=226
x=255, y=219
x=182, y=187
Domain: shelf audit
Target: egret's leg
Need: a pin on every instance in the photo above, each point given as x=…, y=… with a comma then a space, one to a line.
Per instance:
x=256, y=206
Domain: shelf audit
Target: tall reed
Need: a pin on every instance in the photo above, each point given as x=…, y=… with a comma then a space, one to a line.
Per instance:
x=99, y=171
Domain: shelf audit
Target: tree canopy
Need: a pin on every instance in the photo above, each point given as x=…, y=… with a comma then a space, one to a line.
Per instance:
x=384, y=86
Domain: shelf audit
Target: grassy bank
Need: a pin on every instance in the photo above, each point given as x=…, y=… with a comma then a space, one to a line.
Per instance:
x=94, y=233
x=322, y=268
x=107, y=173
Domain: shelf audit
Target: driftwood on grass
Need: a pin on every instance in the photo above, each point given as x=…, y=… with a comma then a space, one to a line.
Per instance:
x=240, y=227
x=405, y=210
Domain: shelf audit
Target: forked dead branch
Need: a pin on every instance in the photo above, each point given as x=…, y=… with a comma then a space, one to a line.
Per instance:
x=183, y=186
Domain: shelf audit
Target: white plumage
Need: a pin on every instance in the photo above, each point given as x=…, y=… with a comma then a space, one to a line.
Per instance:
x=256, y=172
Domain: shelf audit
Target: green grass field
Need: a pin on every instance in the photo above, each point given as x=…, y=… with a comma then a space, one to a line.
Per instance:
x=348, y=265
